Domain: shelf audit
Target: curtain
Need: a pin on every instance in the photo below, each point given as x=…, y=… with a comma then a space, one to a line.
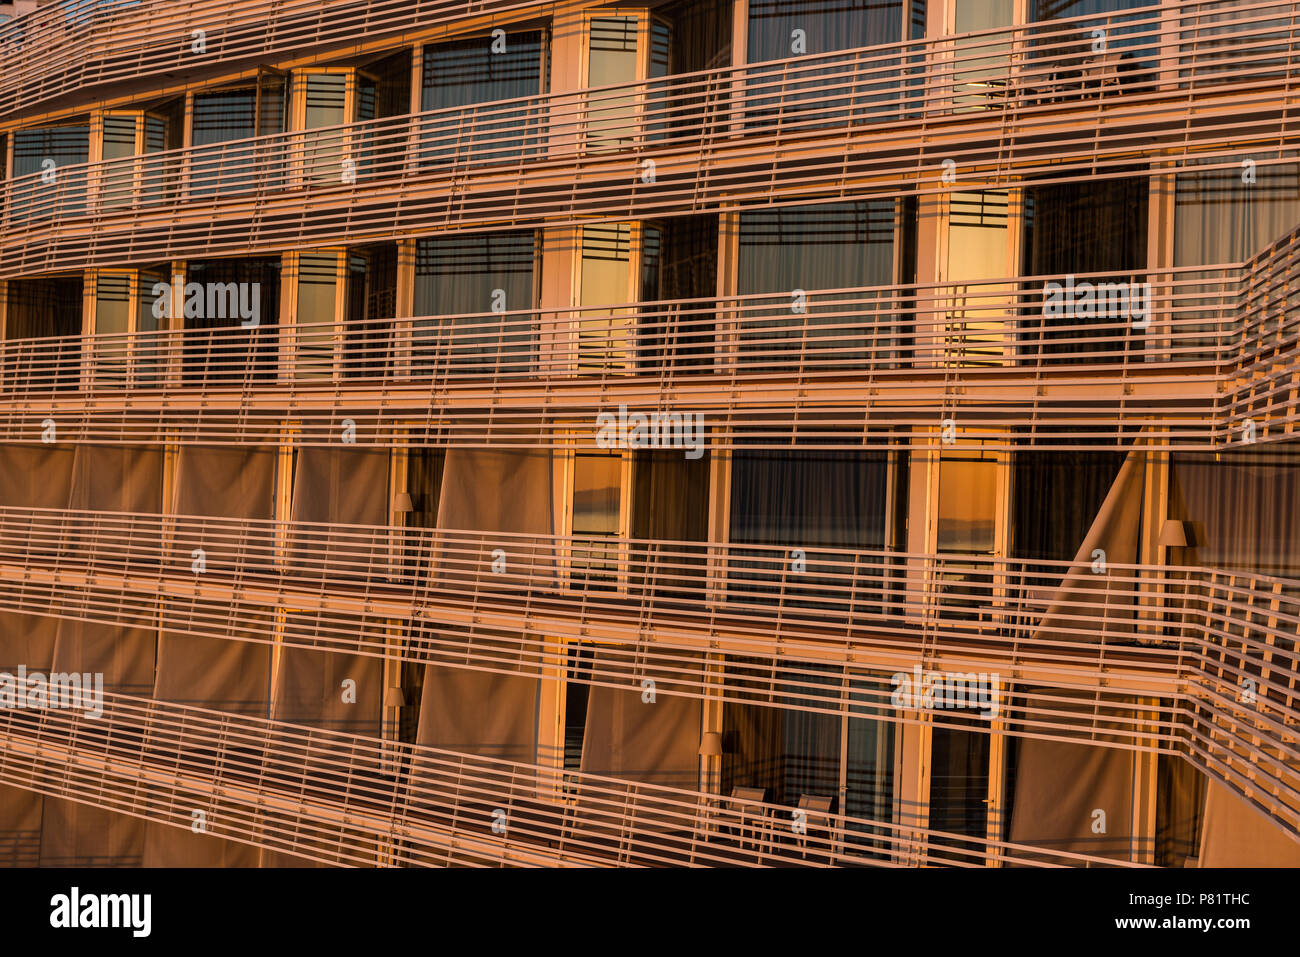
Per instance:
x=471, y=277
x=1237, y=835
x=829, y=26
x=836, y=246
x=1220, y=220
x=221, y=673
x=1180, y=803
x=78, y=835
x=20, y=827
x=679, y=261
x=1057, y=495
x=467, y=73
x=1246, y=503
x=480, y=712
x=65, y=146
x=778, y=746
x=1058, y=790
x=41, y=308
x=232, y=353
x=1072, y=228
x=340, y=487
x=167, y=846
x=630, y=737
x=488, y=713
x=1085, y=597
x=809, y=498
x=114, y=479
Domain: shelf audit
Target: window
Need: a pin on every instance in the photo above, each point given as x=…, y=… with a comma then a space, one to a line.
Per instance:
x=812, y=269
x=41, y=155
x=475, y=296
x=501, y=78
x=597, y=517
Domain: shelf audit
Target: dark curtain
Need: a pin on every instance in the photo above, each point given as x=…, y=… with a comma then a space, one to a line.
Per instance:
x=466, y=73
x=788, y=752
x=1180, y=801
x=231, y=352
x=66, y=146
x=222, y=116
x=959, y=781
x=701, y=33
x=1057, y=495
x=465, y=276
x=837, y=246
x=670, y=502
x=1247, y=504
x=679, y=261
x=1073, y=228
x=830, y=25
x=809, y=498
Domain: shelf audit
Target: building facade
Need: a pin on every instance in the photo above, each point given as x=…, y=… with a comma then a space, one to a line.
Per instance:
x=705, y=432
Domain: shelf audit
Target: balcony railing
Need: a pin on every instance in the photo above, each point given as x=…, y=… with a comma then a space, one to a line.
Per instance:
x=1169, y=322
x=857, y=117
x=345, y=799
x=1189, y=635
x=71, y=46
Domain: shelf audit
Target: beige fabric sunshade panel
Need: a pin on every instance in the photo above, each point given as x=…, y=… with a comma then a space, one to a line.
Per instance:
x=219, y=673
x=1236, y=835
x=78, y=835
x=116, y=480
x=1073, y=797
x=489, y=713
x=325, y=689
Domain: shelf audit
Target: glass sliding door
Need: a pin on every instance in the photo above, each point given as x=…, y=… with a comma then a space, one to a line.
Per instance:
x=325, y=101
x=112, y=320
x=819, y=508
x=1218, y=220
x=597, y=510
x=814, y=88
x=318, y=338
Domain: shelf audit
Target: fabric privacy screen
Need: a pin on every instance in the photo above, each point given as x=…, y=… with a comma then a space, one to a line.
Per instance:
x=342, y=487
x=1246, y=504
x=219, y=673
x=492, y=714
x=78, y=835
x=20, y=827
x=1236, y=835
x=639, y=736
x=113, y=479
x=1068, y=796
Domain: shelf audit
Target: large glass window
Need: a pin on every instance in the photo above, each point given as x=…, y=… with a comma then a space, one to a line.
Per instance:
x=225, y=345
x=474, y=295
x=787, y=750
x=978, y=251
x=43, y=155
x=807, y=503
x=1093, y=232
x=814, y=262
x=597, y=514
x=500, y=77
